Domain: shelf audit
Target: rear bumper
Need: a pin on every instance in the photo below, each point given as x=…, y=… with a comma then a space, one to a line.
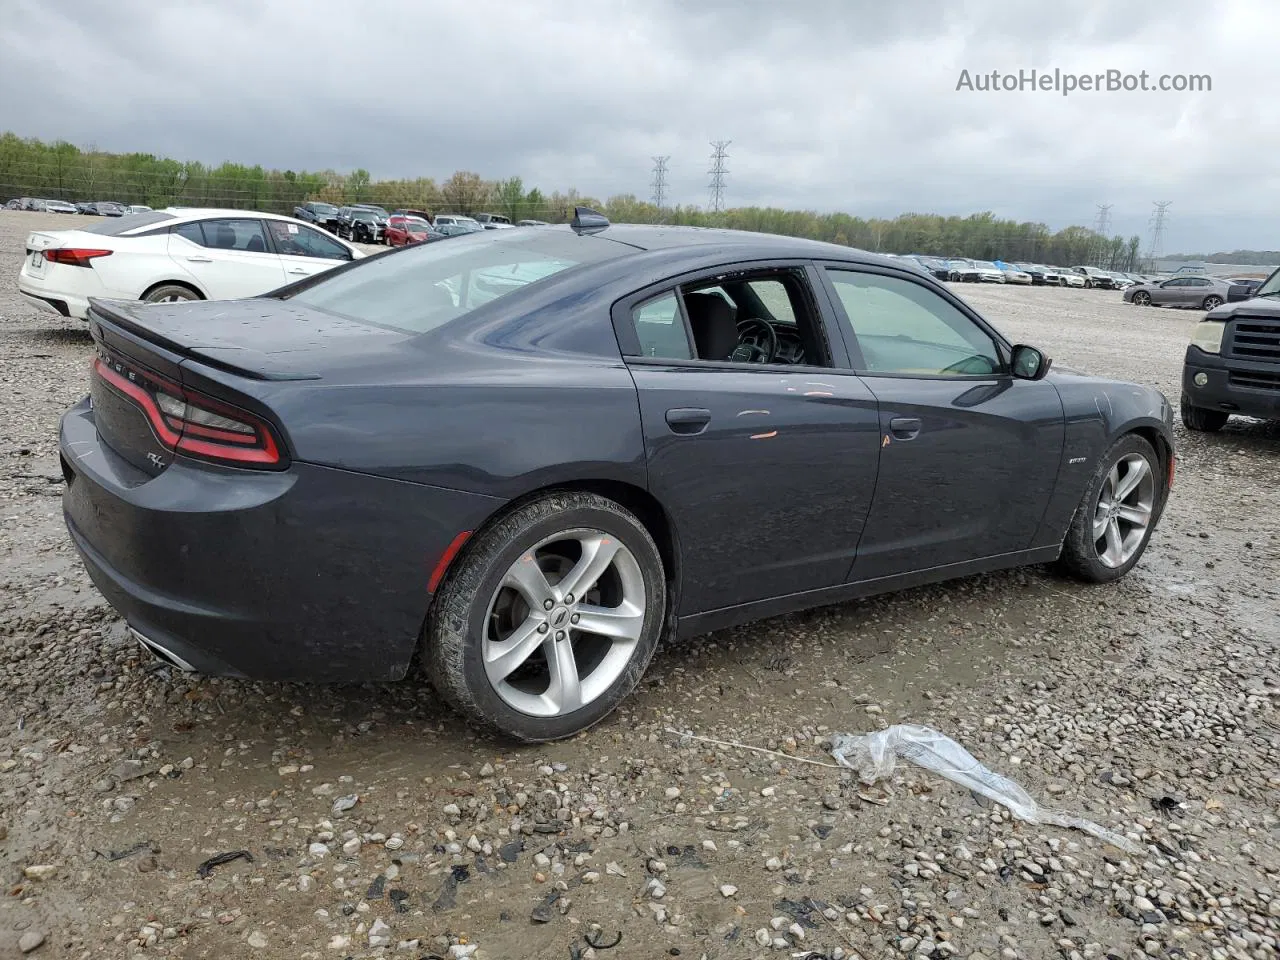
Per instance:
x=61, y=302
x=312, y=574
x=1222, y=394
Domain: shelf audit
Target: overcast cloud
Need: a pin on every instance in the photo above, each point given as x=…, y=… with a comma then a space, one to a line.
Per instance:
x=841, y=105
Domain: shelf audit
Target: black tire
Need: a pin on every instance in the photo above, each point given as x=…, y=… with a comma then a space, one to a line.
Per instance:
x=454, y=636
x=169, y=293
x=1142, y=298
x=1088, y=284
x=1202, y=420
x=1079, y=558
x=1212, y=302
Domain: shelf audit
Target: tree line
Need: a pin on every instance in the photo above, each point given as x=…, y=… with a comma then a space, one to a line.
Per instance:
x=63, y=171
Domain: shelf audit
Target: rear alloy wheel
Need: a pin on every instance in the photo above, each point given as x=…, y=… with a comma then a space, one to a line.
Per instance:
x=171, y=293
x=1117, y=515
x=1198, y=418
x=1142, y=298
x=548, y=619
x=1212, y=302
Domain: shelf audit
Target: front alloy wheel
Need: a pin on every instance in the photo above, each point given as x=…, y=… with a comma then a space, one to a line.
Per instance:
x=1124, y=510
x=1118, y=513
x=1142, y=298
x=548, y=617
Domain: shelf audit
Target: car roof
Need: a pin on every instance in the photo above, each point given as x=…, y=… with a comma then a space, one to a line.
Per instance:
x=184, y=214
x=747, y=243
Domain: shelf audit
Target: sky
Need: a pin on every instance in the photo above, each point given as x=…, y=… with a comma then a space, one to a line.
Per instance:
x=827, y=104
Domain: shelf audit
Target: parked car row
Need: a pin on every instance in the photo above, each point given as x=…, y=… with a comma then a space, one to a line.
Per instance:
x=965, y=270
x=369, y=223
x=97, y=208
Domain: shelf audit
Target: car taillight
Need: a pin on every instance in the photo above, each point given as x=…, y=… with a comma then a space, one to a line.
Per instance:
x=190, y=423
x=75, y=256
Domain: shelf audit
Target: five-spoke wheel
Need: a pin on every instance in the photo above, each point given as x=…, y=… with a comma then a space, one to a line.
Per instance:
x=1121, y=505
x=548, y=617
x=564, y=622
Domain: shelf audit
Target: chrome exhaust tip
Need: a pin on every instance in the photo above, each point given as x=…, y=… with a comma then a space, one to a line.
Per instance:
x=162, y=653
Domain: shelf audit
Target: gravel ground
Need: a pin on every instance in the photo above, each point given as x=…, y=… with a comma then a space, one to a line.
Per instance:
x=377, y=823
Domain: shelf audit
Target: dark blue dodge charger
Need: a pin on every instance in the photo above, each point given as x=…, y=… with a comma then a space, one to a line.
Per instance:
x=523, y=457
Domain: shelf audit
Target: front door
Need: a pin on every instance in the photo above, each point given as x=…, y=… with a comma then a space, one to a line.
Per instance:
x=969, y=454
x=305, y=251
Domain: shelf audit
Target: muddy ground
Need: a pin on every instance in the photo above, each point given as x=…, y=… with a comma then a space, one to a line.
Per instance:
x=1148, y=706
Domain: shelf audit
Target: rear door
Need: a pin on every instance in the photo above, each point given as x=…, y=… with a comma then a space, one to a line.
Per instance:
x=767, y=469
x=229, y=257
x=304, y=251
x=969, y=454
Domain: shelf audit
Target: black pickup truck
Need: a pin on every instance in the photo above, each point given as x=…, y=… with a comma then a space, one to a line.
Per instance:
x=1232, y=365
x=321, y=214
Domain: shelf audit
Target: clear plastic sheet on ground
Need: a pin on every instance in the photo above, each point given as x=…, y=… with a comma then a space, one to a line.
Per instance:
x=874, y=755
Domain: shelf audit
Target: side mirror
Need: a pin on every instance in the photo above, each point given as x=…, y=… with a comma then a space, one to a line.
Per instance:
x=1029, y=363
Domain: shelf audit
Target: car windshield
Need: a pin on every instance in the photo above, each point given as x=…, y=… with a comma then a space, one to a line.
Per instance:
x=426, y=286
x=416, y=225
x=1270, y=287
x=323, y=207
x=363, y=215
x=132, y=221
x=985, y=264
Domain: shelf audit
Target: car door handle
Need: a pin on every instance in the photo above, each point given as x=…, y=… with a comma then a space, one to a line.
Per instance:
x=905, y=428
x=200, y=259
x=298, y=270
x=688, y=420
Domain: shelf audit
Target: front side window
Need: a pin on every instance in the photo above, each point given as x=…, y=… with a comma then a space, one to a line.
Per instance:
x=660, y=329
x=295, y=240
x=904, y=328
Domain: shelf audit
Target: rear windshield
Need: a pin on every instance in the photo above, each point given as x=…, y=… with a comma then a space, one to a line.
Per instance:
x=122, y=225
x=424, y=287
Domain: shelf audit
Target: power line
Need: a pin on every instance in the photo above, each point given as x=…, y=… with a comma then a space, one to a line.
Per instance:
x=718, y=172
x=660, y=182
x=1157, y=230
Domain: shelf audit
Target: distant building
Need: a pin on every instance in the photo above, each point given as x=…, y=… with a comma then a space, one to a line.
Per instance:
x=1212, y=269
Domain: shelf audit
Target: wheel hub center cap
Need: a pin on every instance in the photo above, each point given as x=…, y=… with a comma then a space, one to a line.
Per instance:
x=559, y=617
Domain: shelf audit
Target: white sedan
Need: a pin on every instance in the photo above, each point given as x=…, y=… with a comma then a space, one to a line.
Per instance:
x=174, y=254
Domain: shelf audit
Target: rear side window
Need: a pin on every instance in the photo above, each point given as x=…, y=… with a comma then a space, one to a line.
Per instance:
x=244, y=235
x=424, y=287
x=660, y=329
x=119, y=226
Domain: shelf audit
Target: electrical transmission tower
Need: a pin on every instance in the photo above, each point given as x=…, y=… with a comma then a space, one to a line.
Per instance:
x=718, y=172
x=1102, y=228
x=660, y=183
x=1157, y=231
x=1102, y=222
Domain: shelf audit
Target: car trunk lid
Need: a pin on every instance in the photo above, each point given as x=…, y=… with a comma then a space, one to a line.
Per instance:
x=149, y=356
